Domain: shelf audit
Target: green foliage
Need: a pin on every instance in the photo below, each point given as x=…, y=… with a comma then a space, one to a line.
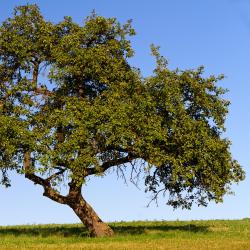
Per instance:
x=70, y=98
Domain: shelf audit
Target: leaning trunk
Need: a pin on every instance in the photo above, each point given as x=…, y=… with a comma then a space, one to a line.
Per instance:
x=95, y=226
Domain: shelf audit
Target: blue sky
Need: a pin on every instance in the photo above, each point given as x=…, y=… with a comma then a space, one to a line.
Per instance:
x=191, y=33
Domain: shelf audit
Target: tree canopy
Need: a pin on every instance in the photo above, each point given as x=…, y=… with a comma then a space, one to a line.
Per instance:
x=71, y=106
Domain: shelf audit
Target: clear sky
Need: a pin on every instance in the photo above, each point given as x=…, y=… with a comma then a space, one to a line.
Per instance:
x=191, y=33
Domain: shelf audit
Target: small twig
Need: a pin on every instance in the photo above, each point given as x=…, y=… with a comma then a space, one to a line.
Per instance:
x=155, y=197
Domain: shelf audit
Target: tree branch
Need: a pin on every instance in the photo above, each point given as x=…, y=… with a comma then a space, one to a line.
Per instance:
x=43, y=91
x=61, y=171
x=106, y=165
x=45, y=183
x=35, y=72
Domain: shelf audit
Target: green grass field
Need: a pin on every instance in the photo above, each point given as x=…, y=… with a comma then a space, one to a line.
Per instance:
x=213, y=234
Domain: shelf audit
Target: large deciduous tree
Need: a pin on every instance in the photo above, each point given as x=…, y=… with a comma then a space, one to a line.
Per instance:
x=71, y=106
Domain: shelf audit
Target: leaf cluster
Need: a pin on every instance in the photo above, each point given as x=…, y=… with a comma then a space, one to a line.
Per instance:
x=69, y=97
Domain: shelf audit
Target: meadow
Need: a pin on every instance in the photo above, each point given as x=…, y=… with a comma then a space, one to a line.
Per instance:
x=212, y=234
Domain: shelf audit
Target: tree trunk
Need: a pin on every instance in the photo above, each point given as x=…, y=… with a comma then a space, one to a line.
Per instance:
x=89, y=218
x=74, y=199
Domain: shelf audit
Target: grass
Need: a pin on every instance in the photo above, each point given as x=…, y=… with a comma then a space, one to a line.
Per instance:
x=213, y=234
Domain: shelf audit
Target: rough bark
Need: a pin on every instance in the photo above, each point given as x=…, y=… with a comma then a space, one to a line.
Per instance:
x=74, y=199
x=96, y=227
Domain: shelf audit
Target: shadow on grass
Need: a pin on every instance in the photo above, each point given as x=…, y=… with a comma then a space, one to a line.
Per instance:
x=137, y=230
x=80, y=231
x=45, y=231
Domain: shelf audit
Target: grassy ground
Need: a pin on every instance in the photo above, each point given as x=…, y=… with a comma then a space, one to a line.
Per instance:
x=219, y=234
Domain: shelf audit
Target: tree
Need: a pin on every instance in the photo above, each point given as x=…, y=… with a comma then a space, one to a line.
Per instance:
x=71, y=106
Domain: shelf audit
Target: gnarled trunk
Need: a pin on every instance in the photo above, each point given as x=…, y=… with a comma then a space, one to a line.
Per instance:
x=89, y=218
x=74, y=199
x=95, y=226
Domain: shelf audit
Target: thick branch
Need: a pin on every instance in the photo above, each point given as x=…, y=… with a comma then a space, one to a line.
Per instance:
x=45, y=183
x=106, y=165
x=35, y=73
x=43, y=91
x=37, y=90
x=75, y=188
